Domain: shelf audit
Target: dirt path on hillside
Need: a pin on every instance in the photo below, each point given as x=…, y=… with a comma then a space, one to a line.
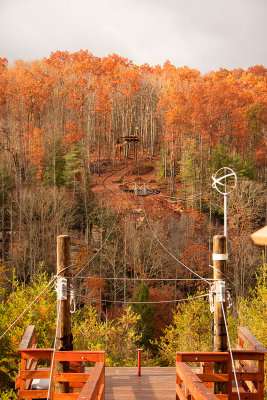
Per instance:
x=107, y=188
x=110, y=181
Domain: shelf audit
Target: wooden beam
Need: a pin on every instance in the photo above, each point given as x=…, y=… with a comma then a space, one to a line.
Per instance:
x=64, y=323
x=43, y=354
x=250, y=340
x=85, y=356
x=219, y=330
x=180, y=393
x=66, y=396
x=22, y=382
x=93, y=385
x=201, y=356
x=248, y=355
x=197, y=389
x=37, y=374
x=72, y=377
x=247, y=376
x=28, y=338
x=213, y=377
x=17, y=382
x=243, y=396
x=33, y=394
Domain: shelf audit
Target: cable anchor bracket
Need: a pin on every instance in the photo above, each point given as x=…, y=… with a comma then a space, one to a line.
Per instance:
x=61, y=288
x=220, y=291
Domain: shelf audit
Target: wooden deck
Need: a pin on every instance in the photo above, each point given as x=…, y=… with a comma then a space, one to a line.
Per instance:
x=157, y=383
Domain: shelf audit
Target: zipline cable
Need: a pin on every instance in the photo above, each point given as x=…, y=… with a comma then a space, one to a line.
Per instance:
x=54, y=349
x=168, y=251
x=36, y=298
x=26, y=309
x=230, y=349
x=139, y=279
x=148, y=302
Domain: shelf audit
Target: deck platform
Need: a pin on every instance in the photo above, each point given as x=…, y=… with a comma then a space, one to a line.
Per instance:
x=155, y=383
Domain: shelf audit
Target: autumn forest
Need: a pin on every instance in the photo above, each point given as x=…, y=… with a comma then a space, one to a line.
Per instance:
x=66, y=167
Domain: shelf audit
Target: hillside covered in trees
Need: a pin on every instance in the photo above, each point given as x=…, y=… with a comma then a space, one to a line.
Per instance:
x=62, y=167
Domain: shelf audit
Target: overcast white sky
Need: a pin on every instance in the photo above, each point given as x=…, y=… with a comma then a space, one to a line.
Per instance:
x=203, y=34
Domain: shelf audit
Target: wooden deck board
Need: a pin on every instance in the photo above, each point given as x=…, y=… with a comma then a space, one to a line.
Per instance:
x=155, y=383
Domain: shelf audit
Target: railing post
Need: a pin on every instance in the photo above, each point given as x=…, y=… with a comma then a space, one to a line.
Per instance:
x=260, y=384
x=64, y=333
x=53, y=383
x=139, y=361
x=219, y=331
x=22, y=381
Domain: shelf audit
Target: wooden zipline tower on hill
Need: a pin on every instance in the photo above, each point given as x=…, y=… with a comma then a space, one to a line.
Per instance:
x=127, y=143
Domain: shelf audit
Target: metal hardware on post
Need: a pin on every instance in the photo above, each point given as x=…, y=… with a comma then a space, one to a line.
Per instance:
x=61, y=288
x=220, y=291
x=225, y=215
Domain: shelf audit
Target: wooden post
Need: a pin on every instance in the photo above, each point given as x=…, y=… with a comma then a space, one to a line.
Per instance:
x=219, y=331
x=64, y=327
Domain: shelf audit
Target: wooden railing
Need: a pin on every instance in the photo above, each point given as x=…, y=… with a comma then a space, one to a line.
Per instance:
x=89, y=386
x=247, y=341
x=27, y=342
x=190, y=385
x=95, y=386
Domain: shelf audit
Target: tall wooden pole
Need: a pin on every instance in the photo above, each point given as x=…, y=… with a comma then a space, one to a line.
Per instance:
x=64, y=328
x=219, y=331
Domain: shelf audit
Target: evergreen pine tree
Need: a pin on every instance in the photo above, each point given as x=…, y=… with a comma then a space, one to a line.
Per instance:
x=146, y=312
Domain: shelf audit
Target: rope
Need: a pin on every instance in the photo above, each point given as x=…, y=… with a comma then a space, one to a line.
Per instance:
x=149, y=302
x=54, y=350
x=230, y=349
x=36, y=298
x=139, y=279
x=212, y=266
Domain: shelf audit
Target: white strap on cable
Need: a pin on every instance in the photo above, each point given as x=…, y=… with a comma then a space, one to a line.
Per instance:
x=220, y=257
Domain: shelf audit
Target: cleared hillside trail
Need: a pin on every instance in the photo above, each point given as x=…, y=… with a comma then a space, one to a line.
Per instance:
x=110, y=182
x=108, y=188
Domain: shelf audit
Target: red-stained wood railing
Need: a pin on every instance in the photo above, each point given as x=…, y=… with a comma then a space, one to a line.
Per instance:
x=27, y=342
x=190, y=385
x=193, y=386
x=247, y=341
x=78, y=380
x=94, y=388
